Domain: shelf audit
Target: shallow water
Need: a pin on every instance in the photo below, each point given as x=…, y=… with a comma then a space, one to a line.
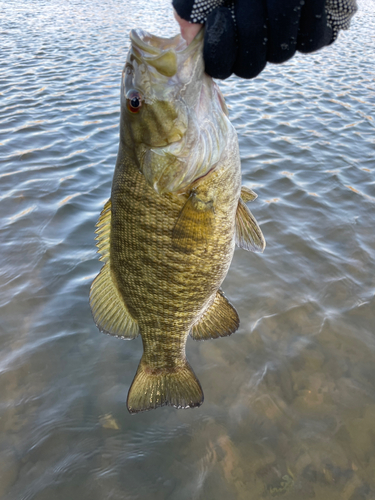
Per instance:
x=289, y=405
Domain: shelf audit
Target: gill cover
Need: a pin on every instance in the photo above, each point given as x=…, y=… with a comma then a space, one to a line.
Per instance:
x=180, y=128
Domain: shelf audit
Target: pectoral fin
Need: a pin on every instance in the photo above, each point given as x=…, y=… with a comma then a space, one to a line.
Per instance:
x=248, y=234
x=194, y=224
x=107, y=306
x=248, y=194
x=221, y=319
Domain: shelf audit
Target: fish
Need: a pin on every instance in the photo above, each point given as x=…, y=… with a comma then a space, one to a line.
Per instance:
x=176, y=211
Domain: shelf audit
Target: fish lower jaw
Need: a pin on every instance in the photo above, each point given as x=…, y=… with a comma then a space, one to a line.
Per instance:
x=176, y=137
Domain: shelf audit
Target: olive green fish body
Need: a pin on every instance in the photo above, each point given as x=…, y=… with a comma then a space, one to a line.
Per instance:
x=164, y=287
x=168, y=233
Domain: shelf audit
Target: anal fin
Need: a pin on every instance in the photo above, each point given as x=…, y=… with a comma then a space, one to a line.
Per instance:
x=220, y=319
x=194, y=224
x=248, y=234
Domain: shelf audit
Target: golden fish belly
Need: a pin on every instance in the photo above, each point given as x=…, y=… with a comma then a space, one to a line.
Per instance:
x=165, y=288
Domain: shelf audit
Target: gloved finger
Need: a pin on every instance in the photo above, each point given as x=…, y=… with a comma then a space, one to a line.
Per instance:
x=313, y=31
x=187, y=9
x=252, y=37
x=283, y=23
x=220, y=48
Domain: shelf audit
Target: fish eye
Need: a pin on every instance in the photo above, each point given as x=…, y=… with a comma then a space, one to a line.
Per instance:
x=133, y=101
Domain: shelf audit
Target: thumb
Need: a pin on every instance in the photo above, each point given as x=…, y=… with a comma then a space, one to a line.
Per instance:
x=188, y=30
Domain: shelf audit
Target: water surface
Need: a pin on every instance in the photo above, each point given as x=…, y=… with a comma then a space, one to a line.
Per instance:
x=289, y=405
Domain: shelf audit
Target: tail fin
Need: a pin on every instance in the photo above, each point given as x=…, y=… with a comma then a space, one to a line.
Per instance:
x=177, y=387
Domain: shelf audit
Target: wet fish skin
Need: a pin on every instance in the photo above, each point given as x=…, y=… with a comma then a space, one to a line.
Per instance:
x=166, y=289
x=167, y=239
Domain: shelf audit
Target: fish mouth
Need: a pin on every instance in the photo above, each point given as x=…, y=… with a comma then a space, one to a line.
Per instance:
x=154, y=45
x=166, y=55
x=202, y=128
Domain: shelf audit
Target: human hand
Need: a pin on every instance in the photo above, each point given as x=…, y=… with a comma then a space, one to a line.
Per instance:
x=188, y=30
x=241, y=36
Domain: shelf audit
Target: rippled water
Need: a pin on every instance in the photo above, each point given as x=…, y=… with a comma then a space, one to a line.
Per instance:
x=290, y=399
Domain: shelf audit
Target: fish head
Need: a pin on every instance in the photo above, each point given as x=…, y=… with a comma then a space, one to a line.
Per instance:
x=173, y=116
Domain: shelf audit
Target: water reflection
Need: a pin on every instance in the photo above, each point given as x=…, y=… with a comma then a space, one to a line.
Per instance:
x=289, y=400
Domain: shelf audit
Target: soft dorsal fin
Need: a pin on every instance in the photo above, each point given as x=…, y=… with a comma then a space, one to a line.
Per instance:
x=194, y=224
x=248, y=234
x=107, y=306
x=220, y=319
x=248, y=194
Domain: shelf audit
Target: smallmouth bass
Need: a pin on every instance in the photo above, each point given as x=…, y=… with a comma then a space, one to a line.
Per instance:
x=168, y=232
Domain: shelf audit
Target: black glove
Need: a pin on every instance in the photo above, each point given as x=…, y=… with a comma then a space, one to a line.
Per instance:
x=243, y=35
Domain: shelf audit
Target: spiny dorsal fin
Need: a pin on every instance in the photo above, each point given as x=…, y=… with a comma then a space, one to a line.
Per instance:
x=248, y=234
x=177, y=386
x=220, y=319
x=248, y=194
x=194, y=224
x=108, y=309
x=103, y=230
